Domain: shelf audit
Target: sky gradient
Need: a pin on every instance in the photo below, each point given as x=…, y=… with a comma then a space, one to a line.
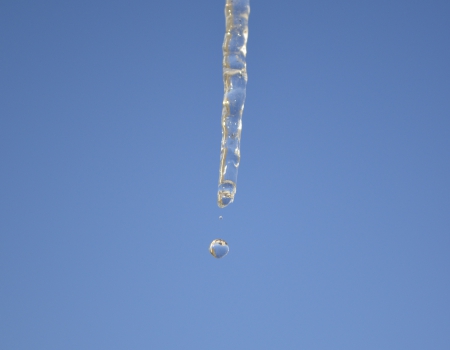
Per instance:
x=110, y=136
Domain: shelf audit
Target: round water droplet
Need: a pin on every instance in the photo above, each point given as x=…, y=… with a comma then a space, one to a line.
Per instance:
x=220, y=217
x=219, y=248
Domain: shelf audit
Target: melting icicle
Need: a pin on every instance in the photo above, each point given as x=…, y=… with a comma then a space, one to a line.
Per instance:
x=235, y=82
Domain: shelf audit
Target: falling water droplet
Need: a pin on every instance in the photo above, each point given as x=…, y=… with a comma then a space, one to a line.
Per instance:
x=219, y=248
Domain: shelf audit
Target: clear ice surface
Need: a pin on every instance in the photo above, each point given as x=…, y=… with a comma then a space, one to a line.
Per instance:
x=235, y=82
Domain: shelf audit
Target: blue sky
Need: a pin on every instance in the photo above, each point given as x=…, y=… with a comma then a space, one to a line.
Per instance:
x=109, y=145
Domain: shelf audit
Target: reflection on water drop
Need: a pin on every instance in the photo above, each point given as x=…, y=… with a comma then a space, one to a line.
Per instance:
x=220, y=217
x=218, y=248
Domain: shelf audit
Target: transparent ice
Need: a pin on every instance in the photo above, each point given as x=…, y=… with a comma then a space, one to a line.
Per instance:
x=235, y=82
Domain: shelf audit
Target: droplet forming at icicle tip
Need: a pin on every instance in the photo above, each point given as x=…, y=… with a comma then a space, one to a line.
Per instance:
x=224, y=199
x=219, y=248
x=226, y=193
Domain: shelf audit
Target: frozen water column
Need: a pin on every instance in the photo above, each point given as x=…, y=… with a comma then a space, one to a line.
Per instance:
x=235, y=82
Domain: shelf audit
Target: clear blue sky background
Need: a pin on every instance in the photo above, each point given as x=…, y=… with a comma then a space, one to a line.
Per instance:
x=109, y=143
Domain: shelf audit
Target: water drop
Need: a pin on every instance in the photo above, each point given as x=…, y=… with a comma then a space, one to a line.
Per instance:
x=219, y=248
x=220, y=217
